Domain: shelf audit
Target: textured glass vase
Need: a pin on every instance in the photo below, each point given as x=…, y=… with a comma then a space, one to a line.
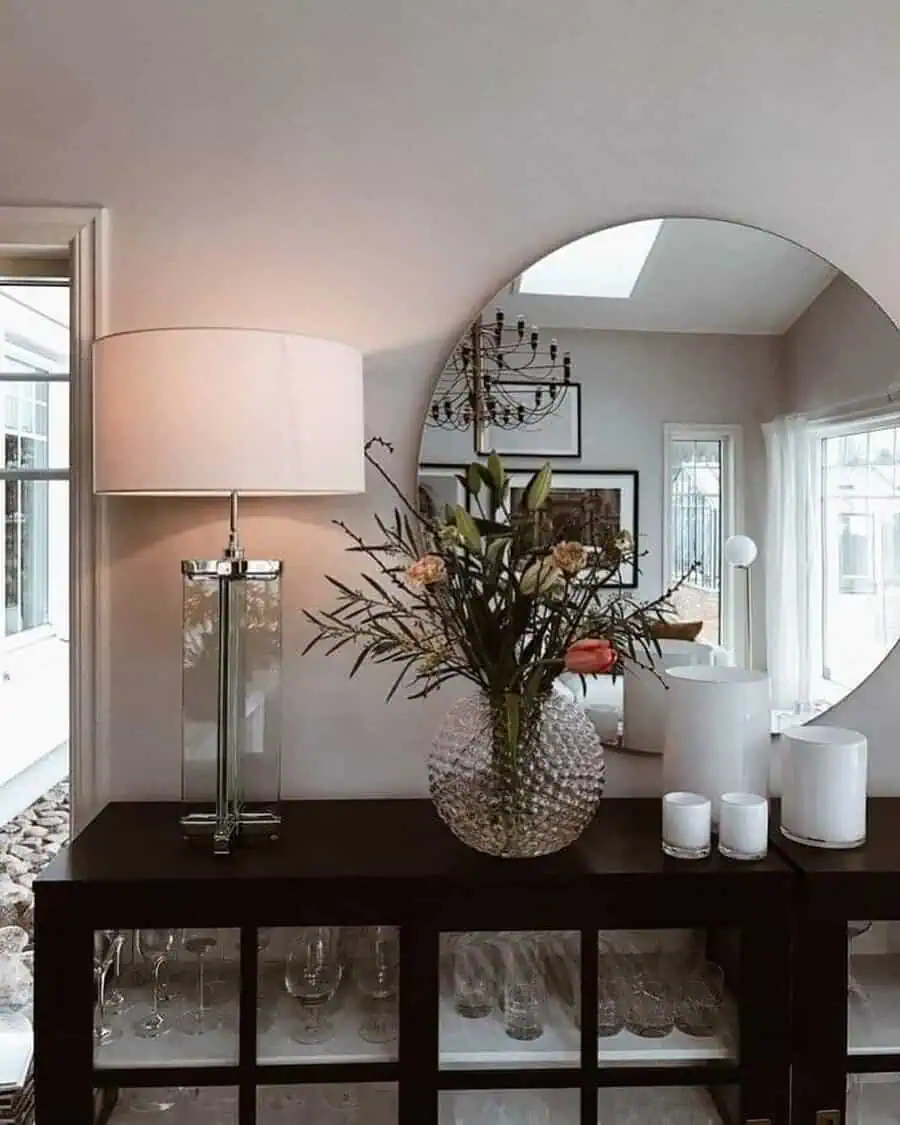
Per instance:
x=524, y=802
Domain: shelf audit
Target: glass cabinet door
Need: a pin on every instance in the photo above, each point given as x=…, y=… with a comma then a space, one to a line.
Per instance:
x=365, y=1103
x=174, y=1105
x=166, y=997
x=328, y=994
x=873, y=988
x=509, y=1107
x=510, y=1000
x=665, y=998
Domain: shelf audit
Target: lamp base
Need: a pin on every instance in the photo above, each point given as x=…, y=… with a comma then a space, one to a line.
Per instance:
x=248, y=822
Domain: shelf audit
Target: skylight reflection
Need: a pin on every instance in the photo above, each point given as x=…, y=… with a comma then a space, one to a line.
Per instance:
x=605, y=264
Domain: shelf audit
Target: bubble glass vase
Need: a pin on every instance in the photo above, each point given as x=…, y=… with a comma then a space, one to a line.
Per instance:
x=527, y=798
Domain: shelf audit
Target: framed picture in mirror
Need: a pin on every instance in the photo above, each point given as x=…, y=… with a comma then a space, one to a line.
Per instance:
x=554, y=434
x=438, y=486
x=582, y=505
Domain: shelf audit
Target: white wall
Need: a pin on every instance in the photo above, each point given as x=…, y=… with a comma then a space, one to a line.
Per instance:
x=632, y=383
x=843, y=348
x=373, y=172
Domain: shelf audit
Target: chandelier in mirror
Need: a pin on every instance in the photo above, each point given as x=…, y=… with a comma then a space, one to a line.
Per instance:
x=482, y=381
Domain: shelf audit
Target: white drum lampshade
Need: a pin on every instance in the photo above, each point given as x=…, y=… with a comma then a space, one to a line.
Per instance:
x=212, y=411
x=823, y=801
x=228, y=412
x=646, y=696
x=718, y=732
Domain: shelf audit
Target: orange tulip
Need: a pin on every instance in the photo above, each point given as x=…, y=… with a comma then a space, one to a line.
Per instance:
x=590, y=656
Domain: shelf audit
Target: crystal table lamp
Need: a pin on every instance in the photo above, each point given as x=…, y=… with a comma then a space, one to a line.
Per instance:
x=228, y=412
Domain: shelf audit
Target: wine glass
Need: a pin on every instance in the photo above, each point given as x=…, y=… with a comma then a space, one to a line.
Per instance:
x=156, y=946
x=377, y=970
x=312, y=974
x=199, y=1019
x=104, y=954
x=115, y=997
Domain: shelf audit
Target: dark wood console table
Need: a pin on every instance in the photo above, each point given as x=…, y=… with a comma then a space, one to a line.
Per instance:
x=391, y=862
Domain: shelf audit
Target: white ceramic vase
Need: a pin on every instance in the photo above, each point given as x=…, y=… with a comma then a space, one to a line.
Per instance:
x=823, y=801
x=646, y=696
x=718, y=732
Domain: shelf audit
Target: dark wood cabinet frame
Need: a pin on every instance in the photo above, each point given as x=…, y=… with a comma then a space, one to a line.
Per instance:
x=393, y=862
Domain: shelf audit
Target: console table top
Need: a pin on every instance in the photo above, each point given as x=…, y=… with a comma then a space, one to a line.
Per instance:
x=394, y=839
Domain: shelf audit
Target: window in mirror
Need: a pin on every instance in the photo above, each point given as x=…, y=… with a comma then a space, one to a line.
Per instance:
x=860, y=551
x=699, y=520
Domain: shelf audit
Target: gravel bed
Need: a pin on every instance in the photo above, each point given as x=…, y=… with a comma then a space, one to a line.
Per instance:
x=27, y=843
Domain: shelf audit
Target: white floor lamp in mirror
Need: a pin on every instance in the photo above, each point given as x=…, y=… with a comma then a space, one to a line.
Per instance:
x=740, y=553
x=229, y=412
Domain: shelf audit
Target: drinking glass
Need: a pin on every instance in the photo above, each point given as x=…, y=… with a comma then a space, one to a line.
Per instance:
x=474, y=978
x=115, y=997
x=524, y=989
x=199, y=1019
x=699, y=1001
x=377, y=971
x=104, y=955
x=156, y=946
x=312, y=974
x=650, y=1012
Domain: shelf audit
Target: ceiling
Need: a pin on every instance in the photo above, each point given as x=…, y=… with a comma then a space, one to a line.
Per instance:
x=702, y=276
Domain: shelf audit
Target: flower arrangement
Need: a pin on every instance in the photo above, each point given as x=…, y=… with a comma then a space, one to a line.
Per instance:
x=483, y=592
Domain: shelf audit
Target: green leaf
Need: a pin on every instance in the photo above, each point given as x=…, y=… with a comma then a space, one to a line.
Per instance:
x=467, y=529
x=538, y=489
x=474, y=479
x=495, y=468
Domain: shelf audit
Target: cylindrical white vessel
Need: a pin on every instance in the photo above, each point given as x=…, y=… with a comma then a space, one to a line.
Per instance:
x=743, y=826
x=686, y=825
x=823, y=800
x=718, y=732
x=645, y=695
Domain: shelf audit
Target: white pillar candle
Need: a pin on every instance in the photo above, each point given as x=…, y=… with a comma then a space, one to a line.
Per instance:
x=686, y=825
x=823, y=802
x=645, y=692
x=743, y=825
x=718, y=728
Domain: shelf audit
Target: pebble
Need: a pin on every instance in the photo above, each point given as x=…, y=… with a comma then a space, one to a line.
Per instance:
x=27, y=843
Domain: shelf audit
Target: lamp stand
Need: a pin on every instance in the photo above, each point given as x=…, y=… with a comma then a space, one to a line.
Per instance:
x=230, y=818
x=748, y=622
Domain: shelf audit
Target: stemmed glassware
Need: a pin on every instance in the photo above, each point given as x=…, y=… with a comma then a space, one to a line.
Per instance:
x=105, y=953
x=115, y=997
x=156, y=946
x=312, y=974
x=377, y=969
x=199, y=1019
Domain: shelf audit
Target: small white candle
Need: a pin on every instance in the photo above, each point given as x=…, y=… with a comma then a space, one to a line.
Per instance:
x=743, y=825
x=686, y=825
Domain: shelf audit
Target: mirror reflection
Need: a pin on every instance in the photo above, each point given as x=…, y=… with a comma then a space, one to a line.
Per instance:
x=730, y=399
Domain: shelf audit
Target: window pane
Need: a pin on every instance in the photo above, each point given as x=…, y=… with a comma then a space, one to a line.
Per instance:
x=861, y=548
x=34, y=327
x=36, y=556
x=36, y=417
x=695, y=532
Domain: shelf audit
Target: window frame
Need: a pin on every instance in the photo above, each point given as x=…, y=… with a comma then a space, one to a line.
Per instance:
x=823, y=429
x=731, y=439
x=82, y=232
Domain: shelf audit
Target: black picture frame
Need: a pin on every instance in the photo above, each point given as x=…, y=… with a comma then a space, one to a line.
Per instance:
x=487, y=439
x=625, y=481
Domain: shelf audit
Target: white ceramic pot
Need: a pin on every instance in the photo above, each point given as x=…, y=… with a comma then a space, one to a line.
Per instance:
x=823, y=800
x=718, y=732
x=646, y=694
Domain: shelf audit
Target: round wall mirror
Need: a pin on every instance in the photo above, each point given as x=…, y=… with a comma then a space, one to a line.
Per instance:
x=729, y=399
